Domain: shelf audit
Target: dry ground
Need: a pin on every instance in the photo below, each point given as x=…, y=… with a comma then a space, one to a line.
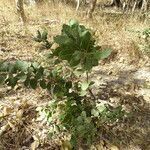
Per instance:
x=126, y=76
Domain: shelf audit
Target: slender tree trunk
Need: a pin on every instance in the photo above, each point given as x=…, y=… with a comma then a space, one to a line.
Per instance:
x=144, y=6
x=20, y=10
x=92, y=8
x=78, y=4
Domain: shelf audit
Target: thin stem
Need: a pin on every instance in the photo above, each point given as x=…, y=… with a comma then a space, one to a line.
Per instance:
x=87, y=76
x=90, y=91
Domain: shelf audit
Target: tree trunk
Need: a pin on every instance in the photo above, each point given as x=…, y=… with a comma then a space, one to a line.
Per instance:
x=144, y=6
x=92, y=8
x=20, y=10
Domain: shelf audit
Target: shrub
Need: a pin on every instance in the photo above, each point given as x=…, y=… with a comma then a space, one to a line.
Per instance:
x=71, y=110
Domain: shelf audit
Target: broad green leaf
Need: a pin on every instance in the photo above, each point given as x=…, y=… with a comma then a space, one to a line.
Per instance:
x=94, y=112
x=68, y=85
x=102, y=54
x=73, y=22
x=43, y=84
x=12, y=68
x=30, y=70
x=68, y=31
x=35, y=65
x=83, y=114
x=27, y=81
x=48, y=45
x=62, y=39
x=21, y=77
x=44, y=35
x=66, y=54
x=12, y=81
x=74, y=62
x=77, y=55
x=83, y=93
x=87, y=64
x=57, y=90
x=38, y=37
x=80, y=119
x=22, y=65
x=85, y=40
x=94, y=62
x=57, y=51
x=39, y=34
x=78, y=72
x=4, y=66
x=84, y=86
x=33, y=83
x=101, y=107
x=2, y=78
x=49, y=86
x=81, y=129
x=39, y=73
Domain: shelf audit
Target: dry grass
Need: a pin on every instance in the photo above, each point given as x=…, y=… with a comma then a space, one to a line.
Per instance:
x=16, y=43
x=110, y=28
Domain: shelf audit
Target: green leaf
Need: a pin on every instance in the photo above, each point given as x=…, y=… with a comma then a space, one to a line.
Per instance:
x=22, y=65
x=101, y=107
x=58, y=90
x=12, y=81
x=68, y=85
x=62, y=39
x=94, y=112
x=35, y=65
x=27, y=81
x=102, y=54
x=49, y=85
x=12, y=68
x=2, y=78
x=85, y=40
x=84, y=86
x=39, y=73
x=48, y=45
x=88, y=63
x=57, y=51
x=74, y=61
x=4, y=66
x=78, y=72
x=66, y=54
x=22, y=76
x=73, y=22
x=43, y=84
x=31, y=70
x=83, y=114
x=77, y=55
x=33, y=83
x=38, y=37
x=44, y=35
x=39, y=34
